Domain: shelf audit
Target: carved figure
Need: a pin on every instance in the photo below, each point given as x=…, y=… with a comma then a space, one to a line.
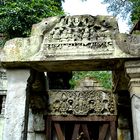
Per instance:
x=76, y=21
x=69, y=22
x=80, y=107
x=64, y=36
x=86, y=34
x=70, y=105
x=77, y=35
x=63, y=105
x=56, y=35
x=97, y=106
x=69, y=35
x=56, y=106
x=91, y=106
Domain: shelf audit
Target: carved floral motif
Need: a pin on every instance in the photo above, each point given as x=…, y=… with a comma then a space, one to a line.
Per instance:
x=71, y=102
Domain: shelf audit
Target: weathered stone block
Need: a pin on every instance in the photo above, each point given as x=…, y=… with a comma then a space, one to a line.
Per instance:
x=40, y=137
x=39, y=122
x=31, y=136
x=1, y=126
x=31, y=122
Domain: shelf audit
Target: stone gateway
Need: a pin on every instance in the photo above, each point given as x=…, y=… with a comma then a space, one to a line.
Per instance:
x=39, y=102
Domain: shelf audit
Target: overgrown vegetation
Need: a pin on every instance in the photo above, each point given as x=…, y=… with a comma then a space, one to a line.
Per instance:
x=103, y=77
x=124, y=8
x=2, y=42
x=17, y=16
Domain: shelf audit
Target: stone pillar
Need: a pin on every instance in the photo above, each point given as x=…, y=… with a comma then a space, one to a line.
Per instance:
x=133, y=72
x=15, y=104
x=120, y=88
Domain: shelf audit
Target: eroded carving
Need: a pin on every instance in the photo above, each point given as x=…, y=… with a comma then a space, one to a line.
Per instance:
x=88, y=102
x=85, y=33
x=130, y=44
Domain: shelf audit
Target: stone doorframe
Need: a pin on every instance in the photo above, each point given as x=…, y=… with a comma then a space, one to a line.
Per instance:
x=56, y=45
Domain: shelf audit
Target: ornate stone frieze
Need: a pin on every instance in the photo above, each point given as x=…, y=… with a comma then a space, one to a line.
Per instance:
x=79, y=103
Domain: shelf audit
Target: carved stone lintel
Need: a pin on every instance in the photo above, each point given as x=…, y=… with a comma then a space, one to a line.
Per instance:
x=88, y=102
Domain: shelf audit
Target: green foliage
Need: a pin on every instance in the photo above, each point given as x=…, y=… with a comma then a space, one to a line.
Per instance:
x=125, y=7
x=17, y=16
x=119, y=6
x=103, y=77
x=135, y=16
x=2, y=42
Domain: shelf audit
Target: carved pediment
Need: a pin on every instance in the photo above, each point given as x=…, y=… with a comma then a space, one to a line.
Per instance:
x=80, y=36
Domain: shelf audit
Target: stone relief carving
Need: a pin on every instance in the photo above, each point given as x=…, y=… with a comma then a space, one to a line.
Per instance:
x=80, y=32
x=74, y=32
x=88, y=102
